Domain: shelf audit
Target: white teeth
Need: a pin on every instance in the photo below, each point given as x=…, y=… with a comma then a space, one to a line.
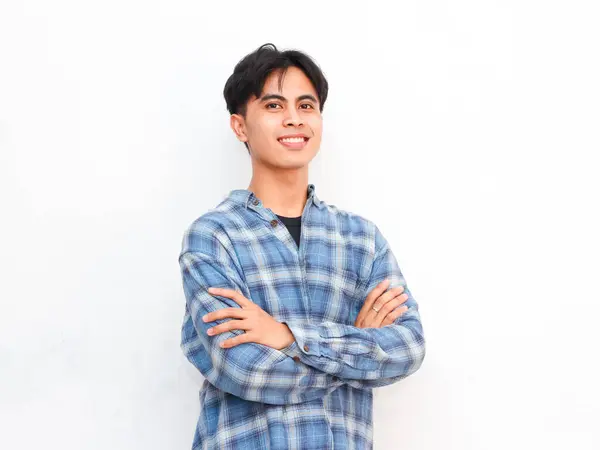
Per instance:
x=292, y=140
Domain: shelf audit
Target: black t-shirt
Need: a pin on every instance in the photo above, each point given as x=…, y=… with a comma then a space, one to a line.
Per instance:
x=293, y=225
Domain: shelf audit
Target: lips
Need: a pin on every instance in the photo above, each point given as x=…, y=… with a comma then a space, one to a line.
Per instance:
x=294, y=142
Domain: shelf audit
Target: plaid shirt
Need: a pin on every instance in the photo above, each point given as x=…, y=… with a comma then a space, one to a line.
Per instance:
x=316, y=393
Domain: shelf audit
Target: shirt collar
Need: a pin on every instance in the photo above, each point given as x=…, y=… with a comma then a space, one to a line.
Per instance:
x=248, y=199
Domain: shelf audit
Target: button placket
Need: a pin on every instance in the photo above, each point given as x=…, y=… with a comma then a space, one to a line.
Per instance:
x=299, y=251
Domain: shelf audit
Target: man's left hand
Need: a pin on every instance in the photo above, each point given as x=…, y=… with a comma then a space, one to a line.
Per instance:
x=259, y=326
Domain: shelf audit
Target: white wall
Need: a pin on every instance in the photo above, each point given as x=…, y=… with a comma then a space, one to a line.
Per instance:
x=468, y=130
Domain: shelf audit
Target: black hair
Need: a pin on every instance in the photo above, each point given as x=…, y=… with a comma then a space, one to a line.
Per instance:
x=251, y=72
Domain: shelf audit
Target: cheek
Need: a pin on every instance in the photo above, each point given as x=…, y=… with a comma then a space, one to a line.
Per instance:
x=267, y=128
x=317, y=128
x=316, y=123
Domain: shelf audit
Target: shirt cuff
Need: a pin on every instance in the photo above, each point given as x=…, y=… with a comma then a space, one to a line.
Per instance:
x=291, y=350
x=307, y=339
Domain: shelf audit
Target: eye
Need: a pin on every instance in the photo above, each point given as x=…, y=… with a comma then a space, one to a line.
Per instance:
x=307, y=104
x=269, y=104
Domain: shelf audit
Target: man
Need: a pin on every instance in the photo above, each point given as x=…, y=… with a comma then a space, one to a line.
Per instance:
x=295, y=309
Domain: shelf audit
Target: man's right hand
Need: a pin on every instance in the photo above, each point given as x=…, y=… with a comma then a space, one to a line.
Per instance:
x=388, y=303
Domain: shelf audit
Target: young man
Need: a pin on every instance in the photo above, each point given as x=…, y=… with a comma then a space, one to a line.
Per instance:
x=295, y=309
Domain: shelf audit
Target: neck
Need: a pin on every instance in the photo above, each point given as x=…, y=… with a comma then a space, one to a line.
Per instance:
x=283, y=191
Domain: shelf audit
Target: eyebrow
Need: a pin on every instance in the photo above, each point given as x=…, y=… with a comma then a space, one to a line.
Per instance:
x=283, y=99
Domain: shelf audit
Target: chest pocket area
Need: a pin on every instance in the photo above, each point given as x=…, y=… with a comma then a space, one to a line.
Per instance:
x=357, y=301
x=334, y=282
x=352, y=297
x=355, y=293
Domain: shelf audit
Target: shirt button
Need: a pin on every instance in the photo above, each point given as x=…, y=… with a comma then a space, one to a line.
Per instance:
x=274, y=223
x=296, y=358
x=255, y=202
x=306, y=348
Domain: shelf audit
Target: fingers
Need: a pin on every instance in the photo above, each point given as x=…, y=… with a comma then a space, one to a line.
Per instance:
x=376, y=292
x=382, y=318
x=391, y=305
x=223, y=313
x=239, y=339
x=368, y=303
x=228, y=326
x=392, y=316
x=388, y=296
x=384, y=301
x=232, y=294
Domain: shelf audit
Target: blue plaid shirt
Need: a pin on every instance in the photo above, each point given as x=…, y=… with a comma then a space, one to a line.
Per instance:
x=316, y=393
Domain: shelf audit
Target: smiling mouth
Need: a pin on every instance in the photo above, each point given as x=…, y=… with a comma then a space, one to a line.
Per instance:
x=294, y=143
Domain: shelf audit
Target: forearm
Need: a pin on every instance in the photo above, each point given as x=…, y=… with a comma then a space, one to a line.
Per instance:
x=251, y=371
x=391, y=352
x=294, y=351
x=256, y=373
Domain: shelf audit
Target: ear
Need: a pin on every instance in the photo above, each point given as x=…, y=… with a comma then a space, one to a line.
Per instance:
x=238, y=125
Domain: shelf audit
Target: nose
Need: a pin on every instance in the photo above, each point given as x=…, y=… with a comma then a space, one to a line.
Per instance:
x=293, y=119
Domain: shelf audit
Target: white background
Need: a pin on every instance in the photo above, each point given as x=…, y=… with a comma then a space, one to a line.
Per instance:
x=467, y=130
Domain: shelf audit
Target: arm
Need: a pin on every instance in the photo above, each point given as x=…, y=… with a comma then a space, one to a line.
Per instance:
x=372, y=357
x=251, y=371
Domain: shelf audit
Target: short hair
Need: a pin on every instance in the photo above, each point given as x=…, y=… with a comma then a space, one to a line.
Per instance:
x=251, y=72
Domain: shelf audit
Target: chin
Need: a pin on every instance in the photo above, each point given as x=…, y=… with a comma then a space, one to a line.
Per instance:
x=299, y=159
x=289, y=159
x=291, y=165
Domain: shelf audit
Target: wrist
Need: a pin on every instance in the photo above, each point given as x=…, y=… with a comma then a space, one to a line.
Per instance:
x=290, y=339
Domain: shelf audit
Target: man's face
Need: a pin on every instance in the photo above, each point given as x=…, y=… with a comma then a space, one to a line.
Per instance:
x=293, y=110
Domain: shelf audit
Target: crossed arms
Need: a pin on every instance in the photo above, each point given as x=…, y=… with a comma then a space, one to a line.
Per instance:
x=323, y=357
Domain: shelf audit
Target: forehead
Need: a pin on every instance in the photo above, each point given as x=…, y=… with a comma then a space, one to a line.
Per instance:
x=292, y=83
